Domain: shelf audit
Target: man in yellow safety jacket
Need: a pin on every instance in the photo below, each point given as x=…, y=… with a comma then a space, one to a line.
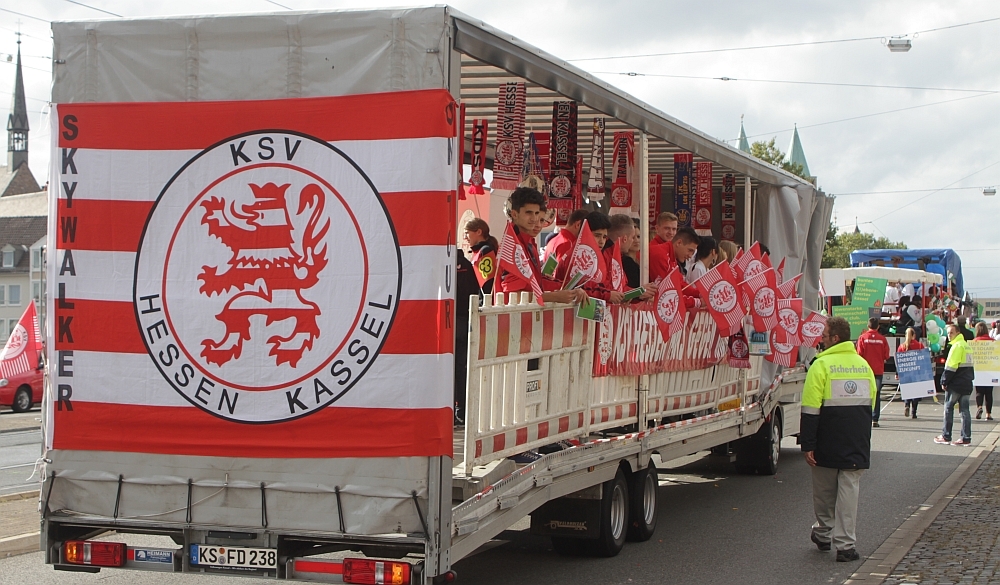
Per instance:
x=835, y=434
x=956, y=380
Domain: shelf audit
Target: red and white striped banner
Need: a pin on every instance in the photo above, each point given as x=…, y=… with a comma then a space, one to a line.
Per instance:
x=701, y=212
x=242, y=264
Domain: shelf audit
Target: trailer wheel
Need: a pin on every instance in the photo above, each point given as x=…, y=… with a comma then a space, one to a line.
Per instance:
x=643, y=505
x=770, y=448
x=614, y=519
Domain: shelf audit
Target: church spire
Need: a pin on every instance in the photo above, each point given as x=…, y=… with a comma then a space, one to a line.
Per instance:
x=744, y=143
x=796, y=154
x=17, y=122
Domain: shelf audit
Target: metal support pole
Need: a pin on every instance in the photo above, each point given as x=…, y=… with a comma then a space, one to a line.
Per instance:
x=747, y=211
x=643, y=153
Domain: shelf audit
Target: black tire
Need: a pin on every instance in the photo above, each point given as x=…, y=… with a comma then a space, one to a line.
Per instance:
x=567, y=547
x=770, y=447
x=642, y=492
x=614, y=519
x=22, y=400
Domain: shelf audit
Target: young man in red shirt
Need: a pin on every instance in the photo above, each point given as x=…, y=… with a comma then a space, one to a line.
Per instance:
x=561, y=244
x=526, y=208
x=664, y=257
x=873, y=346
x=666, y=228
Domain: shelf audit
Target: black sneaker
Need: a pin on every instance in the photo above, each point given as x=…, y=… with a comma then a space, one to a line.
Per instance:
x=874, y=424
x=847, y=555
x=823, y=546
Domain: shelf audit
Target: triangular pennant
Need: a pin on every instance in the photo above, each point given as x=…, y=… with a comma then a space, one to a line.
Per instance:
x=718, y=289
x=761, y=293
x=514, y=260
x=20, y=354
x=780, y=271
x=789, y=316
x=670, y=310
x=782, y=354
x=811, y=329
x=616, y=273
x=786, y=290
x=586, y=258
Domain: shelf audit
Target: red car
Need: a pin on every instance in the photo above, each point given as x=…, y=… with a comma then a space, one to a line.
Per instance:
x=22, y=391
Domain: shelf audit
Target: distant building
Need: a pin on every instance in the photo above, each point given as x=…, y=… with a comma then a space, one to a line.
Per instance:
x=23, y=219
x=991, y=309
x=16, y=177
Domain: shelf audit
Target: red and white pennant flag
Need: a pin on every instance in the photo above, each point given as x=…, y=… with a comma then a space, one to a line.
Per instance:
x=20, y=354
x=789, y=315
x=515, y=261
x=762, y=300
x=811, y=329
x=718, y=289
x=783, y=354
x=670, y=310
x=786, y=290
x=587, y=258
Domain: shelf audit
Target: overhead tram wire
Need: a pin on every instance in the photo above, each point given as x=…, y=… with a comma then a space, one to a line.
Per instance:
x=25, y=15
x=968, y=97
x=276, y=4
x=780, y=45
x=794, y=82
x=94, y=8
x=936, y=191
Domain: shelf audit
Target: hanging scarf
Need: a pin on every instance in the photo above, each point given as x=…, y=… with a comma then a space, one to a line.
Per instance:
x=702, y=212
x=655, y=188
x=595, y=183
x=480, y=129
x=729, y=207
x=461, y=150
x=682, y=188
x=534, y=171
x=739, y=350
x=624, y=156
x=562, y=157
x=509, y=153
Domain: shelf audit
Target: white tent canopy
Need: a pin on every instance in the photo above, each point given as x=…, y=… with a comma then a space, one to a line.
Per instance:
x=901, y=275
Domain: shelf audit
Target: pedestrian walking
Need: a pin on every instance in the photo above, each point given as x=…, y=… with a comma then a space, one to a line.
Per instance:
x=835, y=433
x=984, y=394
x=874, y=348
x=957, y=383
x=909, y=344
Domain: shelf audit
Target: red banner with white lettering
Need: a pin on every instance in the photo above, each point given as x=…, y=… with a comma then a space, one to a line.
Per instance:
x=629, y=343
x=624, y=158
x=729, y=207
x=702, y=209
x=655, y=189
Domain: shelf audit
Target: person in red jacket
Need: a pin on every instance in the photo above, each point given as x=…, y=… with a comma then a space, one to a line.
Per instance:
x=526, y=208
x=561, y=245
x=909, y=344
x=666, y=228
x=873, y=346
x=664, y=257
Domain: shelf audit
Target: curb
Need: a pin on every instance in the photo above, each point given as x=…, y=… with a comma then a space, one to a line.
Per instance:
x=883, y=561
x=20, y=429
x=19, y=496
x=20, y=544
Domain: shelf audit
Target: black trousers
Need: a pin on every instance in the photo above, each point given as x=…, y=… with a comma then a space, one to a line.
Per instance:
x=984, y=393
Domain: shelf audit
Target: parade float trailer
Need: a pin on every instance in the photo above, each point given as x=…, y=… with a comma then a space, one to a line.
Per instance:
x=251, y=329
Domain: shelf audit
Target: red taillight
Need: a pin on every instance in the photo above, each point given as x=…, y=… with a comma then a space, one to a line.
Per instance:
x=91, y=552
x=369, y=572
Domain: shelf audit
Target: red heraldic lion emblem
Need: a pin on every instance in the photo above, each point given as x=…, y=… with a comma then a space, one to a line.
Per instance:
x=268, y=277
x=265, y=248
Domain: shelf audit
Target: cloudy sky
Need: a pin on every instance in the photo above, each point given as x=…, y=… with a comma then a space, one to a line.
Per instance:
x=883, y=167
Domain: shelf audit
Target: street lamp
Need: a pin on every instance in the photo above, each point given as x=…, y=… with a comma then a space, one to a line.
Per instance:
x=898, y=45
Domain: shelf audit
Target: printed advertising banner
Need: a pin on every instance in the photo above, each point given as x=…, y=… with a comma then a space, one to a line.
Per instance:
x=868, y=292
x=629, y=343
x=986, y=361
x=254, y=278
x=916, y=375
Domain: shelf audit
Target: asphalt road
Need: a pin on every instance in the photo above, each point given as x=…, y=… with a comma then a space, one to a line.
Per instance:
x=18, y=452
x=714, y=526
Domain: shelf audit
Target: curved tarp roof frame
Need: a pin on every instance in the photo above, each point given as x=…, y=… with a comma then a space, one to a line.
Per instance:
x=937, y=260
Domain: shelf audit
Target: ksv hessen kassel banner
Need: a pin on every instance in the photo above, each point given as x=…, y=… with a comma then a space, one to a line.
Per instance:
x=629, y=343
x=254, y=278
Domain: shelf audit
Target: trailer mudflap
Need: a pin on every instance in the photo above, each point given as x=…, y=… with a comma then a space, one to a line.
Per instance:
x=568, y=518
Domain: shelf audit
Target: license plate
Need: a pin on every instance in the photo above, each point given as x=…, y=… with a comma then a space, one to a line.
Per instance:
x=233, y=557
x=729, y=405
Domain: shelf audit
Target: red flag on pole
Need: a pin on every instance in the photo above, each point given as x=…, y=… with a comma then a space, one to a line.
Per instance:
x=587, y=258
x=782, y=354
x=761, y=293
x=780, y=271
x=789, y=315
x=616, y=274
x=514, y=259
x=670, y=310
x=786, y=290
x=20, y=354
x=718, y=289
x=744, y=260
x=811, y=329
